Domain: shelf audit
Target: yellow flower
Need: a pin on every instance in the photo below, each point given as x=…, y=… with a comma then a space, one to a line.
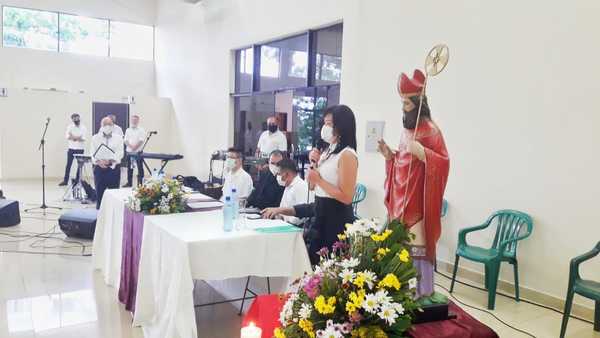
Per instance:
x=381, y=237
x=342, y=237
x=307, y=326
x=389, y=281
x=381, y=252
x=355, y=301
x=404, y=256
x=348, y=225
x=360, y=280
x=325, y=307
x=279, y=333
x=369, y=332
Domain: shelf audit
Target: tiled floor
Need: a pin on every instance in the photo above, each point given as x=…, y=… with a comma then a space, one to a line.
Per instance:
x=46, y=295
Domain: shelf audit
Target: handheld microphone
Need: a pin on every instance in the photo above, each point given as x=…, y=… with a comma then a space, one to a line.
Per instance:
x=47, y=120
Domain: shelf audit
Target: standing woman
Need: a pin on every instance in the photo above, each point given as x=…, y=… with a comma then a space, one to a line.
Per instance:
x=333, y=177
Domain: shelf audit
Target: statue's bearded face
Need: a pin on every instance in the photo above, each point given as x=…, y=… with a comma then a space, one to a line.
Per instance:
x=410, y=108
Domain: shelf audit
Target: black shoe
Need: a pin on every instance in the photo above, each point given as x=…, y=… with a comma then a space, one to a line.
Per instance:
x=128, y=185
x=63, y=183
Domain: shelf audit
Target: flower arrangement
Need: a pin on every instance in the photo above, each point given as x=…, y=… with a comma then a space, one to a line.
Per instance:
x=158, y=196
x=363, y=288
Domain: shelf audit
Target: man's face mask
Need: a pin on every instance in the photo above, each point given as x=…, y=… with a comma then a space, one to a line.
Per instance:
x=272, y=128
x=76, y=121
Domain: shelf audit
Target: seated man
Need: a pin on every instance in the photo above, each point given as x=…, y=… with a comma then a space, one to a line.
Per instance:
x=235, y=176
x=296, y=189
x=267, y=193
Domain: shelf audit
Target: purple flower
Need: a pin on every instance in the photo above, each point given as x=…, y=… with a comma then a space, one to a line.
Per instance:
x=347, y=328
x=311, y=287
x=340, y=246
x=323, y=252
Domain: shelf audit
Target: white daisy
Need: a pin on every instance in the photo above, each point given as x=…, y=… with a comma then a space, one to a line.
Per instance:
x=382, y=297
x=347, y=276
x=388, y=313
x=370, y=304
x=330, y=332
x=412, y=283
x=349, y=263
x=305, y=311
x=370, y=278
x=399, y=308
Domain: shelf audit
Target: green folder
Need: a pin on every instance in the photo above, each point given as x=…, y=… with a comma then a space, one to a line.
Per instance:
x=278, y=229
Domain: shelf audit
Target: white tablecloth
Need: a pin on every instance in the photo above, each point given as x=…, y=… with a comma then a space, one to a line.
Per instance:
x=176, y=249
x=106, y=252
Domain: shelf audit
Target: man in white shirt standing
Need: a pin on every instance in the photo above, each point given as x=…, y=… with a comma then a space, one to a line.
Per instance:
x=107, y=151
x=235, y=176
x=271, y=139
x=76, y=139
x=295, y=193
x=117, y=129
x=134, y=139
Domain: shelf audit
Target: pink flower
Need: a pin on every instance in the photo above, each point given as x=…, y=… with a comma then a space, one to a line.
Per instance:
x=311, y=287
x=356, y=317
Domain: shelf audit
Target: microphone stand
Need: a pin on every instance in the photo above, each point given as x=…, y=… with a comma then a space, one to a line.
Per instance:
x=42, y=147
x=141, y=152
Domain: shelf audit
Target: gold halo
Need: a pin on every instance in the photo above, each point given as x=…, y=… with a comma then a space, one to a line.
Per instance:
x=437, y=59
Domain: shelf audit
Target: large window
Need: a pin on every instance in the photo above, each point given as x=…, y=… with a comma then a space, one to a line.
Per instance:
x=291, y=81
x=61, y=32
x=131, y=41
x=83, y=35
x=27, y=28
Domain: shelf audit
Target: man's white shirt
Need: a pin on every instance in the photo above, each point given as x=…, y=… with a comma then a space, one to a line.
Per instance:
x=115, y=143
x=76, y=131
x=294, y=194
x=134, y=135
x=240, y=180
x=269, y=142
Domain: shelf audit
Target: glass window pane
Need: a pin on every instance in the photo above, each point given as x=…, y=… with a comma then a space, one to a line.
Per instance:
x=27, y=28
x=244, y=60
x=269, y=61
x=298, y=64
x=83, y=35
x=250, y=120
x=284, y=63
x=131, y=41
x=327, y=44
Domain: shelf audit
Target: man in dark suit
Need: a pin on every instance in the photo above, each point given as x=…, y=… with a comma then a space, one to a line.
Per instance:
x=268, y=193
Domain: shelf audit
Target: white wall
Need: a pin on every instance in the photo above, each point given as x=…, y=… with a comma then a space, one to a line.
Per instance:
x=73, y=72
x=24, y=113
x=517, y=103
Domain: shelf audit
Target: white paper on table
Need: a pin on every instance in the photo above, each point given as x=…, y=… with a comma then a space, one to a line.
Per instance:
x=105, y=153
x=205, y=205
x=253, y=224
x=199, y=197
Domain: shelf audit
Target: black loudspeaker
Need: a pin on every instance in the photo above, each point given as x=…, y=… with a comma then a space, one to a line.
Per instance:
x=80, y=223
x=9, y=213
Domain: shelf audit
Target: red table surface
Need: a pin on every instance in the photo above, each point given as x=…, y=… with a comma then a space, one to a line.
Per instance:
x=264, y=312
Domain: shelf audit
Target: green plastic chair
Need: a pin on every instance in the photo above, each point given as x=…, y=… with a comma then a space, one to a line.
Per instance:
x=360, y=193
x=586, y=288
x=509, y=231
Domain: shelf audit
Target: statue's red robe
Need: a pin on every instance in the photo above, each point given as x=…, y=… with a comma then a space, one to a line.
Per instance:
x=427, y=182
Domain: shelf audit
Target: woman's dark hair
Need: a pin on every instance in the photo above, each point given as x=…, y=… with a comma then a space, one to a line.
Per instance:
x=344, y=125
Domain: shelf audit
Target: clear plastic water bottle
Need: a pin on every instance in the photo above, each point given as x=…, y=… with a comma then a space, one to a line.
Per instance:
x=228, y=215
x=235, y=201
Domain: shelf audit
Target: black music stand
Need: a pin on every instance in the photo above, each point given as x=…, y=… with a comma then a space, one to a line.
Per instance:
x=42, y=147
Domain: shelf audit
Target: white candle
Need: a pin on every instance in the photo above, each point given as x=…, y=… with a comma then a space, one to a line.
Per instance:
x=251, y=331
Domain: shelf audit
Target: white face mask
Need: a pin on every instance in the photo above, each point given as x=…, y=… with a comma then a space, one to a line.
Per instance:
x=273, y=169
x=230, y=163
x=280, y=181
x=327, y=134
x=107, y=129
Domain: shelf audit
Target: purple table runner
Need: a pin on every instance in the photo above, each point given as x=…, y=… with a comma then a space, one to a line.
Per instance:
x=133, y=227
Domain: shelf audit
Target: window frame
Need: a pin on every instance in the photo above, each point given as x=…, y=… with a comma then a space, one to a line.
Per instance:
x=59, y=13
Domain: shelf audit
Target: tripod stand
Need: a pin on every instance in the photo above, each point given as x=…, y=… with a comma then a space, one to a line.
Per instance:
x=42, y=147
